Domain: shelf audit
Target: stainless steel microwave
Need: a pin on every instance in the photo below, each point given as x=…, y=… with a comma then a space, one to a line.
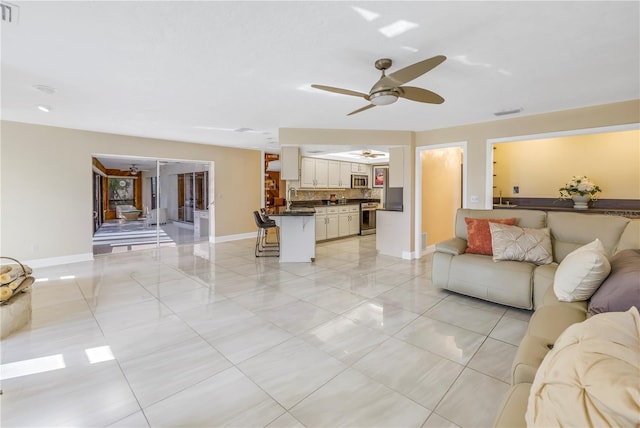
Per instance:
x=359, y=181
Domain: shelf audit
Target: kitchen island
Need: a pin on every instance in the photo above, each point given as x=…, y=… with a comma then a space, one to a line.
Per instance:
x=297, y=234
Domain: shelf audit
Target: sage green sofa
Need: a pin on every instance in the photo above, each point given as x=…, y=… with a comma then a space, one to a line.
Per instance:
x=523, y=284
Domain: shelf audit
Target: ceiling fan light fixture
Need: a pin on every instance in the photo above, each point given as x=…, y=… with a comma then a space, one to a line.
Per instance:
x=383, y=98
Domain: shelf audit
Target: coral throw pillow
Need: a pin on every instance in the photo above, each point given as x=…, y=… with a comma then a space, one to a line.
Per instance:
x=479, y=235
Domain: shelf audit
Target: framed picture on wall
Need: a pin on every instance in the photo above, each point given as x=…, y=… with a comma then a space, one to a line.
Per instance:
x=380, y=176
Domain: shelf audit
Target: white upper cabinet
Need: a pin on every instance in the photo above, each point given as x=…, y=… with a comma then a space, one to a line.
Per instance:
x=289, y=163
x=322, y=173
x=308, y=172
x=334, y=174
x=359, y=168
x=345, y=175
x=314, y=173
x=329, y=174
x=339, y=175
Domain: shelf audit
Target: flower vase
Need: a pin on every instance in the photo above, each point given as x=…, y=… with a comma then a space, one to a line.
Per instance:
x=580, y=202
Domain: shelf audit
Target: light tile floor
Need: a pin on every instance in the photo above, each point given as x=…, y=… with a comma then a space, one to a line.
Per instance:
x=208, y=335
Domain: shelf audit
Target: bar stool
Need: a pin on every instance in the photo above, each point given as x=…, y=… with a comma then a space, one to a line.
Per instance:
x=265, y=216
x=264, y=249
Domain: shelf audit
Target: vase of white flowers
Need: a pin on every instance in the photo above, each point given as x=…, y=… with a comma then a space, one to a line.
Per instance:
x=581, y=190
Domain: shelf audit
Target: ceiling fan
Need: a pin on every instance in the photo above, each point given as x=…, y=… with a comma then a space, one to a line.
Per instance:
x=371, y=155
x=389, y=88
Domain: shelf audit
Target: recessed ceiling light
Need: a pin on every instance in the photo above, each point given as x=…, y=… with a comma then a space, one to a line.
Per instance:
x=45, y=109
x=509, y=111
x=45, y=89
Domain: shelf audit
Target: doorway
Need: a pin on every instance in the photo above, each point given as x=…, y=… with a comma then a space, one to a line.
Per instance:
x=157, y=213
x=440, y=184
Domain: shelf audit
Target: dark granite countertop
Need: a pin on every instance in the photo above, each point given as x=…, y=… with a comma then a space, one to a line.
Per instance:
x=295, y=211
x=629, y=208
x=326, y=202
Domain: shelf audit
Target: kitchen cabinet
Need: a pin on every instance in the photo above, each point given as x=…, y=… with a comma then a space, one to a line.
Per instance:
x=345, y=175
x=314, y=173
x=359, y=168
x=327, y=223
x=396, y=167
x=289, y=163
x=339, y=175
x=354, y=220
x=348, y=220
x=334, y=174
x=321, y=224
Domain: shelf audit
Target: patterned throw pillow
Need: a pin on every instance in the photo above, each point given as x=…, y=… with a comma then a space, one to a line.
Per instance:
x=521, y=244
x=479, y=235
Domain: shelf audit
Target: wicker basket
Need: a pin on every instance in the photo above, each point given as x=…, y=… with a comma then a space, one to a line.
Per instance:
x=24, y=285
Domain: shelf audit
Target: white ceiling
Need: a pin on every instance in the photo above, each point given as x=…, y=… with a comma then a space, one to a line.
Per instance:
x=196, y=71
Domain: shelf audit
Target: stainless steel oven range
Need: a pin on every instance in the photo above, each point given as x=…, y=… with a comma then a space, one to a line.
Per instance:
x=368, y=218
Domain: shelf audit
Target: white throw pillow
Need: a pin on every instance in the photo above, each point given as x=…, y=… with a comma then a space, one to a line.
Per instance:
x=580, y=273
x=521, y=244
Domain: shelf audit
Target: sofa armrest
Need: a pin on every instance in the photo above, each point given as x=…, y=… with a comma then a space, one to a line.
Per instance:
x=453, y=246
x=514, y=406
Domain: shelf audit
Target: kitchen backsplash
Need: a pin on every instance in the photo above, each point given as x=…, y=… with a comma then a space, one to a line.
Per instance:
x=314, y=195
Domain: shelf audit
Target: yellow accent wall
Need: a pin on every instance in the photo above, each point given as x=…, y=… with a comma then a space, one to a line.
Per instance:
x=476, y=135
x=541, y=167
x=441, y=192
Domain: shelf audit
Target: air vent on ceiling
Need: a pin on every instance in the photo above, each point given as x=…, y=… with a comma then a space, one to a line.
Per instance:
x=9, y=12
x=243, y=129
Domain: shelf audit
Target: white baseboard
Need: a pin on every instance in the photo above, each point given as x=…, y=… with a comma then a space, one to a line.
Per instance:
x=63, y=260
x=76, y=258
x=408, y=255
x=237, y=237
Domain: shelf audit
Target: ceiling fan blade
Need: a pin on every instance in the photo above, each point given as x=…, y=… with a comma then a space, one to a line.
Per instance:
x=421, y=95
x=341, y=91
x=362, y=109
x=411, y=72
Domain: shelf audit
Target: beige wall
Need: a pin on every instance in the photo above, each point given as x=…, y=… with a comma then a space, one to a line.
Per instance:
x=541, y=167
x=441, y=192
x=476, y=136
x=46, y=178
